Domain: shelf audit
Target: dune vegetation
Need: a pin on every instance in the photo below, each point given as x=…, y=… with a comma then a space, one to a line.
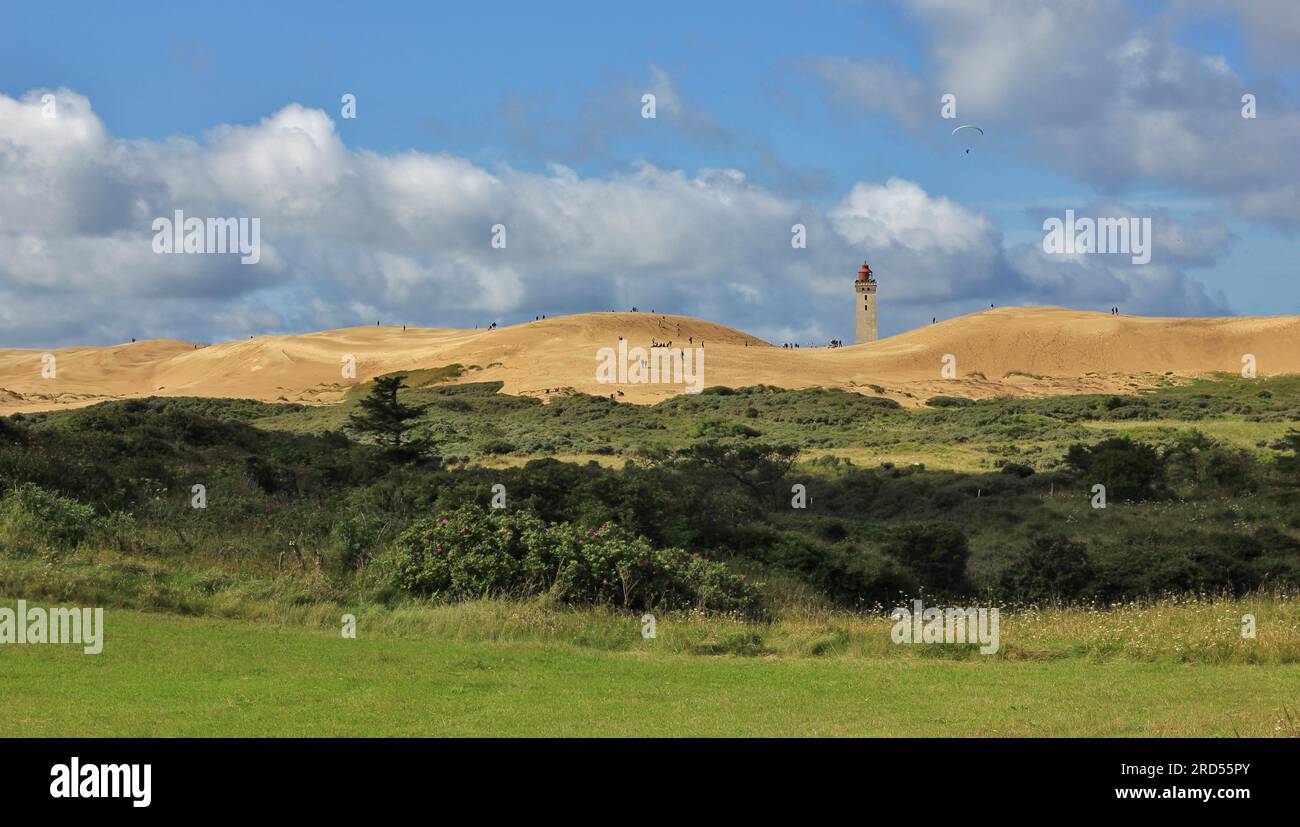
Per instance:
x=747, y=521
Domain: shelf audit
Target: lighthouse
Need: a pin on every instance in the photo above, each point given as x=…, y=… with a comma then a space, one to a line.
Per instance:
x=864, y=316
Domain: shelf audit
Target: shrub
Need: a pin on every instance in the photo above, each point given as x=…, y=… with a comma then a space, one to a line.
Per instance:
x=1158, y=564
x=1195, y=463
x=1129, y=470
x=1230, y=469
x=1050, y=568
x=936, y=555
x=863, y=580
x=1289, y=466
x=11, y=431
x=119, y=530
x=473, y=552
x=451, y=403
x=29, y=512
x=949, y=402
x=354, y=537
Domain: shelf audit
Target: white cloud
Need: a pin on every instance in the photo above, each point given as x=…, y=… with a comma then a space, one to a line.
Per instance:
x=353, y=235
x=1100, y=95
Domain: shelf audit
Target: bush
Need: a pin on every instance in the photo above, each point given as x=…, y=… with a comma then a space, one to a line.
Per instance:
x=29, y=512
x=1289, y=466
x=496, y=447
x=11, y=431
x=1156, y=564
x=354, y=537
x=860, y=580
x=1129, y=470
x=949, y=402
x=474, y=552
x=1197, y=464
x=1051, y=568
x=935, y=554
x=119, y=529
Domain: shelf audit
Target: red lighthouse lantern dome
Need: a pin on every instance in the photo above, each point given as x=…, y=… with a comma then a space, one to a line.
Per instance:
x=864, y=272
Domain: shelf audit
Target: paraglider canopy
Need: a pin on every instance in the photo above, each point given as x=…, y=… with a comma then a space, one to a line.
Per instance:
x=968, y=135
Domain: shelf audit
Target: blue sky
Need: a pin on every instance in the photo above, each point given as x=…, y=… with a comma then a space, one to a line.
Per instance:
x=769, y=113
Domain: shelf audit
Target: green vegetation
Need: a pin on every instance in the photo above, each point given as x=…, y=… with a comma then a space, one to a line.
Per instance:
x=508, y=668
x=30, y=515
x=1185, y=514
x=473, y=552
x=763, y=608
x=423, y=378
x=382, y=415
x=965, y=435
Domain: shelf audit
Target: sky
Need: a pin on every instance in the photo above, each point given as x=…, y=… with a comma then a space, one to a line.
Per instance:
x=531, y=117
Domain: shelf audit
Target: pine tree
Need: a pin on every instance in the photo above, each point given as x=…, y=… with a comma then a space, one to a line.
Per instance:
x=382, y=415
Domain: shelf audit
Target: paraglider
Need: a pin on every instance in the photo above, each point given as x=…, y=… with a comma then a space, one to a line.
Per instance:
x=969, y=135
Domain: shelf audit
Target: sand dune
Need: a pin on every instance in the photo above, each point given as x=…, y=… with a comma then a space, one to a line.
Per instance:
x=1006, y=351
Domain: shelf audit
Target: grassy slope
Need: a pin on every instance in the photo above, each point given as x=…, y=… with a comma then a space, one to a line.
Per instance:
x=163, y=675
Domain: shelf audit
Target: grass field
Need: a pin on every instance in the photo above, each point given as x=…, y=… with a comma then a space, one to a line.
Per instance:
x=437, y=672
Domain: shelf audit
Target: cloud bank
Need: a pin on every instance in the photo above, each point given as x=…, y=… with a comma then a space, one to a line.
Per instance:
x=350, y=236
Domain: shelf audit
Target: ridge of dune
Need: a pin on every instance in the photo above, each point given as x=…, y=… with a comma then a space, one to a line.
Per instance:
x=1003, y=351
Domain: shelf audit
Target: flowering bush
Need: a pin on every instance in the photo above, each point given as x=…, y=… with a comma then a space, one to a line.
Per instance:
x=473, y=552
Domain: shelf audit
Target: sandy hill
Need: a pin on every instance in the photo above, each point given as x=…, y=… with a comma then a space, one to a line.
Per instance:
x=1006, y=351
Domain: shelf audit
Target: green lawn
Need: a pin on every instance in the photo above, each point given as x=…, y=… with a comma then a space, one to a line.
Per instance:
x=163, y=675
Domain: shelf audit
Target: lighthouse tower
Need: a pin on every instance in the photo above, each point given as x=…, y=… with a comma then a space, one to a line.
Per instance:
x=864, y=315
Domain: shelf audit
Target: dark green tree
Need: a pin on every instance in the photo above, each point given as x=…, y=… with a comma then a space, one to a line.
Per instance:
x=1129, y=470
x=383, y=416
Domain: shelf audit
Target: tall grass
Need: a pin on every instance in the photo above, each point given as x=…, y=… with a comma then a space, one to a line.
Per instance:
x=1181, y=629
